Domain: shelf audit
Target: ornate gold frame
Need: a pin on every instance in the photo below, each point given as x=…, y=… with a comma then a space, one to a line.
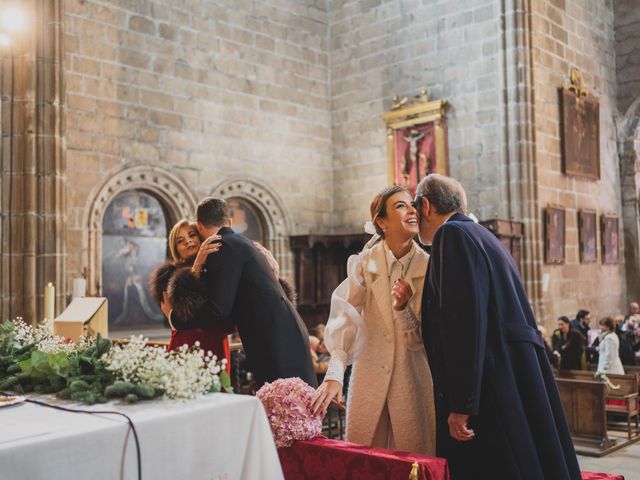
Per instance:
x=573, y=162
x=420, y=110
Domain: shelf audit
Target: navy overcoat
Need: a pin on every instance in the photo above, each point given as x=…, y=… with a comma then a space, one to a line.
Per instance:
x=488, y=360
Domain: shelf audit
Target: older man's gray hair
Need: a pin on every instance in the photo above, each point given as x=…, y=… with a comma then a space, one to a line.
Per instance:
x=444, y=193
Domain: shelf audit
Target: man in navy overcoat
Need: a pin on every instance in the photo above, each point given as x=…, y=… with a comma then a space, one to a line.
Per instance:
x=498, y=411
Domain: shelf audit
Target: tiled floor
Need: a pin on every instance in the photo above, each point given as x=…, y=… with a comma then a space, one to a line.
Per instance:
x=625, y=461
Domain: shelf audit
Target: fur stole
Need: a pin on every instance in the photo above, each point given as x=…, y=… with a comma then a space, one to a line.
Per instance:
x=159, y=280
x=186, y=293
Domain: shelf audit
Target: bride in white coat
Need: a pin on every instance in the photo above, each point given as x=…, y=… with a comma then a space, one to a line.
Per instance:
x=374, y=325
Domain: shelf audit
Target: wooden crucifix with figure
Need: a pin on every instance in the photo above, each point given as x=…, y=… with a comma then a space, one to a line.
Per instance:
x=416, y=140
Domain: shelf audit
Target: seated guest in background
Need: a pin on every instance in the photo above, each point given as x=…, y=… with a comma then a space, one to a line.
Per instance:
x=553, y=359
x=241, y=288
x=581, y=323
x=569, y=343
x=559, y=337
x=629, y=344
x=374, y=324
x=323, y=353
x=609, y=359
x=187, y=251
x=633, y=314
x=320, y=366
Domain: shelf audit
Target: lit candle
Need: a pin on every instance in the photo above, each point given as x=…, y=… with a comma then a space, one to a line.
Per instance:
x=49, y=301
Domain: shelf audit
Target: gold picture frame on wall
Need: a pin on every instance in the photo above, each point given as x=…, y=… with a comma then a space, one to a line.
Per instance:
x=554, y=235
x=416, y=140
x=588, y=232
x=580, y=129
x=610, y=239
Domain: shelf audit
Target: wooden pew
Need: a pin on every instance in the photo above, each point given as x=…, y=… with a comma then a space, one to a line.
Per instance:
x=622, y=401
x=584, y=405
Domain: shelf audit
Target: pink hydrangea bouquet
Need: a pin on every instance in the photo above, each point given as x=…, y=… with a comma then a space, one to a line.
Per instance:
x=287, y=402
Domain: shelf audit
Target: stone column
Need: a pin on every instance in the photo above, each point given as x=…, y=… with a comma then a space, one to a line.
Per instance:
x=518, y=140
x=32, y=210
x=630, y=191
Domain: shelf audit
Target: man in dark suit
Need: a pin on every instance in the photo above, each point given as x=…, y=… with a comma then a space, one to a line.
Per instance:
x=498, y=411
x=242, y=289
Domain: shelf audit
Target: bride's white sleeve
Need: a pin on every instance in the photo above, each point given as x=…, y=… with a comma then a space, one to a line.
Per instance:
x=345, y=333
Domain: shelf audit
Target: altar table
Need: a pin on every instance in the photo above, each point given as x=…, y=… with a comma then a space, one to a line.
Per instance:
x=215, y=437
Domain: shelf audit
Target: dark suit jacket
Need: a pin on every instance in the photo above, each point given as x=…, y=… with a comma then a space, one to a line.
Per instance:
x=242, y=289
x=571, y=352
x=488, y=360
x=583, y=329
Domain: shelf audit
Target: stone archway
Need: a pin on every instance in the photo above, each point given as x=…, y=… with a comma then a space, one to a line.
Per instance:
x=629, y=153
x=273, y=212
x=174, y=195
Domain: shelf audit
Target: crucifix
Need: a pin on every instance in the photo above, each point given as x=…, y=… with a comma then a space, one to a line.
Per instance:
x=412, y=158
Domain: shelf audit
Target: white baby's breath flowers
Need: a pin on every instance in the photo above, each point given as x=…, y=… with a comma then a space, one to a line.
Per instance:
x=182, y=374
x=45, y=341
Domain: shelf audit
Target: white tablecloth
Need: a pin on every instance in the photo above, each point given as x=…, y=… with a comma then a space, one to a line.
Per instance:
x=216, y=437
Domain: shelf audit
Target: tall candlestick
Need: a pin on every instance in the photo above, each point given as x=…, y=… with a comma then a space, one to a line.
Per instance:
x=49, y=301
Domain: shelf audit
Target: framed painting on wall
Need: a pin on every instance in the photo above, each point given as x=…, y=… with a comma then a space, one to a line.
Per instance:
x=554, y=235
x=416, y=140
x=587, y=234
x=580, y=129
x=609, y=240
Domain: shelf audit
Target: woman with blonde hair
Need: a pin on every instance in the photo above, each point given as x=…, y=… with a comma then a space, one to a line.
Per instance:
x=374, y=325
x=177, y=283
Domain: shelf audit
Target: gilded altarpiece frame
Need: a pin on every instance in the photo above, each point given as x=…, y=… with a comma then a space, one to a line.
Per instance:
x=416, y=140
x=580, y=127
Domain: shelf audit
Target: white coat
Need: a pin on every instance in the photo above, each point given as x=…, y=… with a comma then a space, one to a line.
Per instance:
x=389, y=360
x=609, y=356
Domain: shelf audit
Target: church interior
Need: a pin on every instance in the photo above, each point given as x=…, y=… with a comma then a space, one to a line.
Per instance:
x=119, y=116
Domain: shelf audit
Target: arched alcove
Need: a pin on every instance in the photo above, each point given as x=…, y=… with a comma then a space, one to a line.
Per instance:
x=272, y=212
x=172, y=193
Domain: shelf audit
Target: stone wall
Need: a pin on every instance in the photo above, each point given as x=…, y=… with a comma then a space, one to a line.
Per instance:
x=291, y=95
x=204, y=90
x=567, y=34
x=380, y=49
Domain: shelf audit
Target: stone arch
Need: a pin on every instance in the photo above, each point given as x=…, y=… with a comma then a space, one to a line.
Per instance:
x=174, y=195
x=271, y=207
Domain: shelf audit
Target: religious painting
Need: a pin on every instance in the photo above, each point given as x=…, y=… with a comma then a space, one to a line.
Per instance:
x=609, y=240
x=246, y=220
x=587, y=231
x=134, y=243
x=580, y=114
x=554, y=235
x=416, y=140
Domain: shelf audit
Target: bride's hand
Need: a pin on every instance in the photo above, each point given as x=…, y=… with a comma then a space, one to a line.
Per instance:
x=401, y=293
x=324, y=394
x=208, y=246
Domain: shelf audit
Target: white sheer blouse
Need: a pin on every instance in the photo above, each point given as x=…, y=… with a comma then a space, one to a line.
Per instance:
x=346, y=331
